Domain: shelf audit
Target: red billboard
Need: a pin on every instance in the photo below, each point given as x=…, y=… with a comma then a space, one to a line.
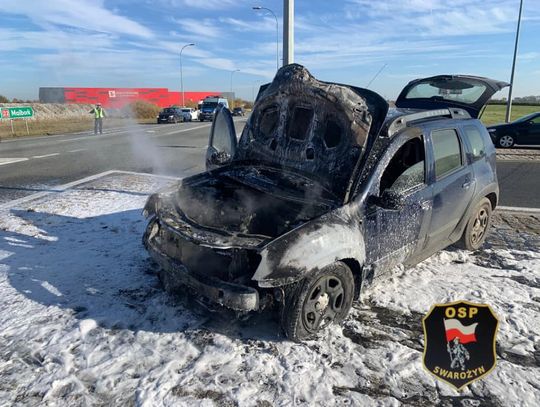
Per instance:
x=119, y=97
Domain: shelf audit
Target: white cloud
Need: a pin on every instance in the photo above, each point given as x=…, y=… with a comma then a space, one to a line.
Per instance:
x=202, y=30
x=199, y=4
x=88, y=15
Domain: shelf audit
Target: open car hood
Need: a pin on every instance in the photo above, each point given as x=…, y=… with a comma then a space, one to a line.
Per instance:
x=470, y=93
x=316, y=128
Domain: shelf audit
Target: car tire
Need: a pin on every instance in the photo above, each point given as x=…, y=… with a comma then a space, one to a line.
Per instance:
x=201, y=119
x=320, y=299
x=477, y=227
x=506, y=141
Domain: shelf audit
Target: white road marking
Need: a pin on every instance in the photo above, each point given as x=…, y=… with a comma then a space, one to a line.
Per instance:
x=184, y=130
x=76, y=151
x=4, y=161
x=64, y=187
x=46, y=155
x=517, y=209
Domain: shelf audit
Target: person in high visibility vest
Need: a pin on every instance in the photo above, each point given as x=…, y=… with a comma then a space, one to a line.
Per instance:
x=99, y=114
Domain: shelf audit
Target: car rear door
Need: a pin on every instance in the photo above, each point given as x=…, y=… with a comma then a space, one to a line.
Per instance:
x=453, y=184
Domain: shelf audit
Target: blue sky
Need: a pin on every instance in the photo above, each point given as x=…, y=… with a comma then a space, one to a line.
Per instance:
x=136, y=43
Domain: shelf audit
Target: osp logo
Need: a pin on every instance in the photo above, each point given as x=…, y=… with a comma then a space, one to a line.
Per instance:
x=459, y=342
x=5, y=113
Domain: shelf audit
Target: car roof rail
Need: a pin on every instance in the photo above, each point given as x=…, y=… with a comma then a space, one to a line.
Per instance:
x=403, y=121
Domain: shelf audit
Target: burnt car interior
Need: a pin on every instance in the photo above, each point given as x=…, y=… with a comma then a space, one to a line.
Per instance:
x=406, y=169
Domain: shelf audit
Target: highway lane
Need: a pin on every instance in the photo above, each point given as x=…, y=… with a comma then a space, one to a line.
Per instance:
x=35, y=164
x=31, y=165
x=519, y=182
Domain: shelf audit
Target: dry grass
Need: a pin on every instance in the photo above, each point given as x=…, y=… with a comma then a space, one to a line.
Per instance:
x=496, y=113
x=47, y=127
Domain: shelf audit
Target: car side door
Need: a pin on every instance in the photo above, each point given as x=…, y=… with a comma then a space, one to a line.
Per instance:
x=453, y=184
x=398, y=206
x=531, y=132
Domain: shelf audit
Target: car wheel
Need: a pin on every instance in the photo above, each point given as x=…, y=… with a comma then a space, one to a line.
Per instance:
x=201, y=119
x=477, y=227
x=506, y=141
x=320, y=299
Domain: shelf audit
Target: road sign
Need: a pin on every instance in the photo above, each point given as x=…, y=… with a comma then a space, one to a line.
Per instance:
x=23, y=112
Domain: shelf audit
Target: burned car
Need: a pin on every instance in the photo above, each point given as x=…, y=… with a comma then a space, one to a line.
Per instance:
x=326, y=190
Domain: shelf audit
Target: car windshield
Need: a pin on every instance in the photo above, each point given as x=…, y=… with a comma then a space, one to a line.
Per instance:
x=186, y=110
x=461, y=91
x=526, y=118
x=168, y=110
x=210, y=104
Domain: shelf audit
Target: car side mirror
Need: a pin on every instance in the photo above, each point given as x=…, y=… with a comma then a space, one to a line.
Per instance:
x=220, y=158
x=392, y=200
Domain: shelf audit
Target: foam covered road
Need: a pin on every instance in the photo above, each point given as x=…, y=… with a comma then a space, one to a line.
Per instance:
x=84, y=321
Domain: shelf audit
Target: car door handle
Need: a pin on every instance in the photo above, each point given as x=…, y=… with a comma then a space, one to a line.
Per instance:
x=467, y=185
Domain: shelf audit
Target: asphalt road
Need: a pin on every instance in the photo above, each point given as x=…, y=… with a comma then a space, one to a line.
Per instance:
x=37, y=164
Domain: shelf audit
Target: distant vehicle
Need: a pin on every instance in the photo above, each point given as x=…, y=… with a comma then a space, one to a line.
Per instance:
x=209, y=106
x=171, y=115
x=190, y=114
x=525, y=130
x=238, y=111
x=326, y=190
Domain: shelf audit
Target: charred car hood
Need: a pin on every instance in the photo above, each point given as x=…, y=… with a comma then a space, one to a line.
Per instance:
x=313, y=127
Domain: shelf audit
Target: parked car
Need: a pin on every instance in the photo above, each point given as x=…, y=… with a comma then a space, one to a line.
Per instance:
x=190, y=114
x=326, y=191
x=170, y=115
x=523, y=131
x=210, y=105
x=238, y=111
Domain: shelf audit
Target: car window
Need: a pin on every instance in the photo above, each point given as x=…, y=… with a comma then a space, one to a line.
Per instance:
x=536, y=120
x=406, y=169
x=476, y=141
x=447, y=151
x=464, y=90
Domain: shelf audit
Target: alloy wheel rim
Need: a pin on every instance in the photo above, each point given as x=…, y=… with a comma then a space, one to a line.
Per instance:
x=324, y=302
x=506, y=141
x=479, y=226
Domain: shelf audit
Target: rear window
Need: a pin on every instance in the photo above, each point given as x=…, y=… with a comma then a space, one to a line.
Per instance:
x=475, y=140
x=462, y=91
x=447, y=151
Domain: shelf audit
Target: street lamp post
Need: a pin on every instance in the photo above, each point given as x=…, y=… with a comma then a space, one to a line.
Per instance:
x=181, y=73
x=277, y=31
x=232, y=97
x=288, y=32
x=509, y=103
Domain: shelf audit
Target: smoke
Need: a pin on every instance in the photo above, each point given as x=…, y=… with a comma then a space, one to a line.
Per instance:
x=148, y=155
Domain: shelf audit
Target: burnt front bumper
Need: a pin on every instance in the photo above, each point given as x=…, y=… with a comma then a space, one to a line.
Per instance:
x=176, y=276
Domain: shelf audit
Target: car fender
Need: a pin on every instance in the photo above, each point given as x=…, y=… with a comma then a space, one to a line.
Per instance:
x=483, y=193
x=313, y=245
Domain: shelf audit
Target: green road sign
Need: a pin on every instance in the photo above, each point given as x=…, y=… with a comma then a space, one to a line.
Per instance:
x=17, y=112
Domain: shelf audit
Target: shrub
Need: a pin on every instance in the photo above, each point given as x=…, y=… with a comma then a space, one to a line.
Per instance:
x=3, y=99
x=141, y=110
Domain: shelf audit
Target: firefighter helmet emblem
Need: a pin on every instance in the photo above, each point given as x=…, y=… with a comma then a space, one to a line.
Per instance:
x=459, y=342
